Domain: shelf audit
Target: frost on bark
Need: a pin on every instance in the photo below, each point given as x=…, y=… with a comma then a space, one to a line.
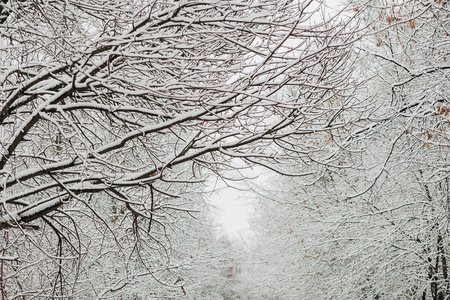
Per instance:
x=111, y=111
